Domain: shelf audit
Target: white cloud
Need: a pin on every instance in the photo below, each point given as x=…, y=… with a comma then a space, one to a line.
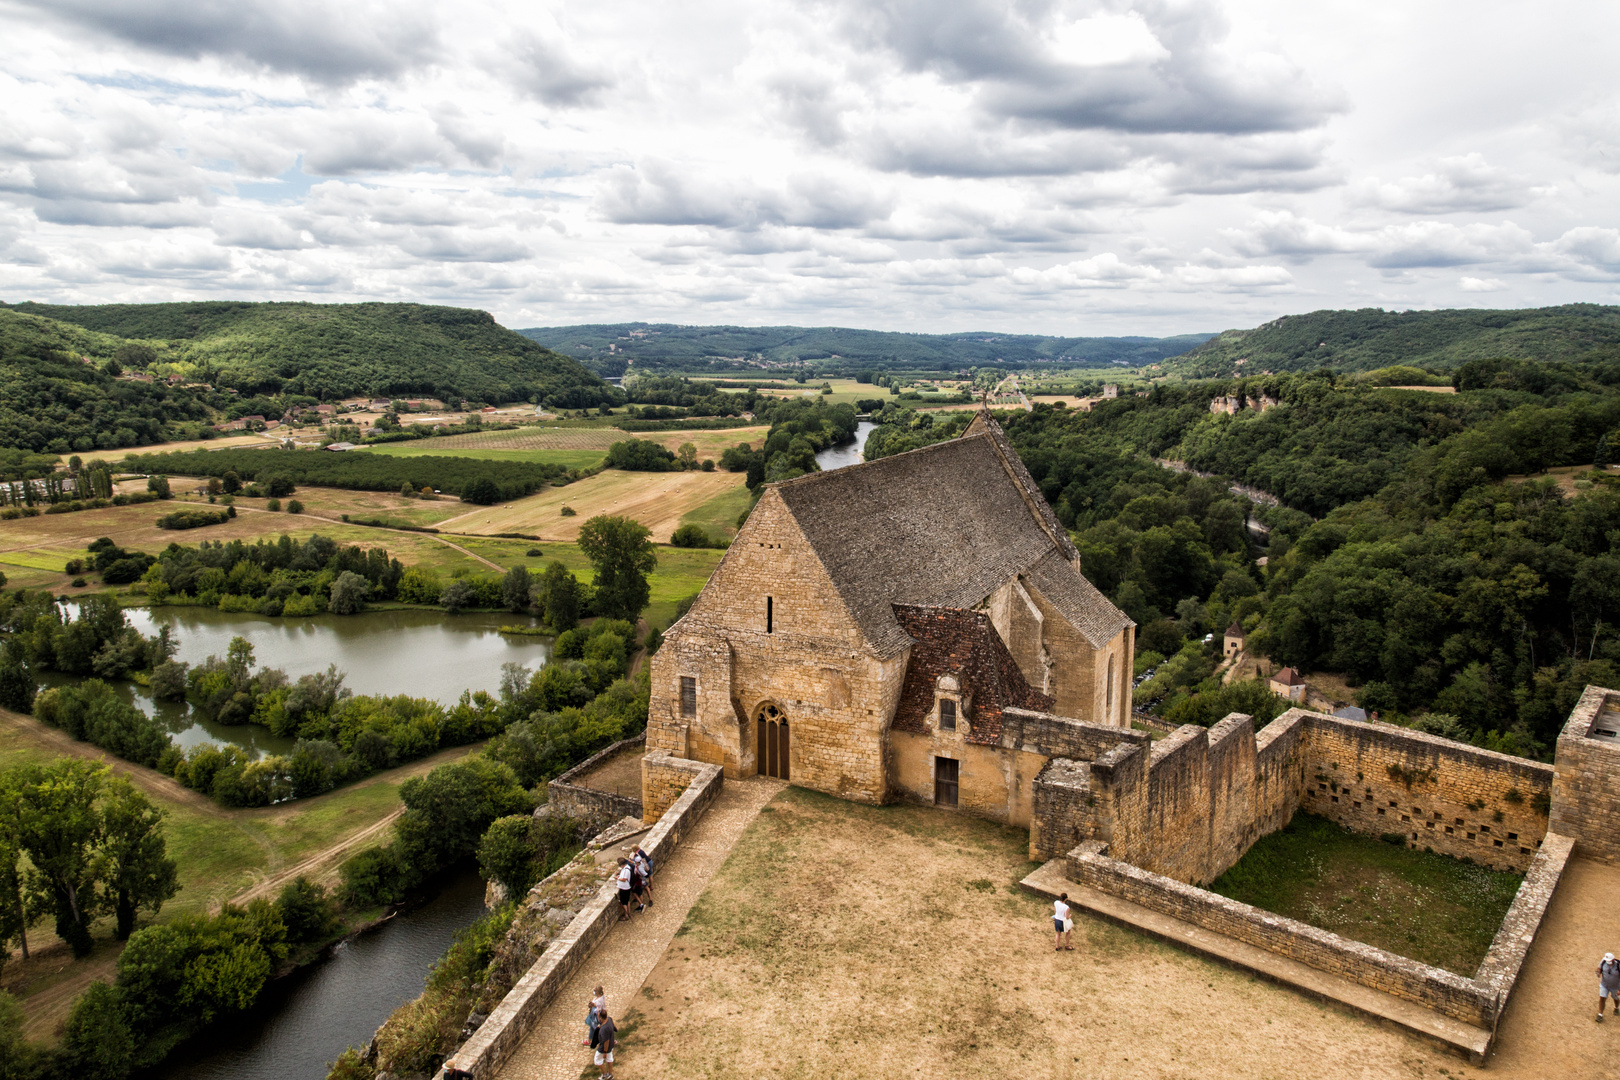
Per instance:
x=1457, y=184
x=1072, y=166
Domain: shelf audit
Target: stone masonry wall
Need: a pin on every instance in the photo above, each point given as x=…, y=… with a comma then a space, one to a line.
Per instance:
x=664, y=779
x=1178, y=819
x=1452, y=995
x=579, y=799
x=1062, y=815
x=482, y=1056
x=1235, y=809
x=1454, y=798
x=1586, y=787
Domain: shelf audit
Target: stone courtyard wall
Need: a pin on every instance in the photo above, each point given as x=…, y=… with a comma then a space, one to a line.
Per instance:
x=1454, y=798
x=1193, y=804
x=572, y=793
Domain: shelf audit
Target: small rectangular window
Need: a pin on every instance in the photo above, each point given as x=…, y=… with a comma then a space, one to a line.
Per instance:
x=770, y=614
x=946, y=773
x=688, y=695
x=947, y=714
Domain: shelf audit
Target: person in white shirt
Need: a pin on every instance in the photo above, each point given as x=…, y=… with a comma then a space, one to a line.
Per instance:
x=623, y=879
x=1061, y=923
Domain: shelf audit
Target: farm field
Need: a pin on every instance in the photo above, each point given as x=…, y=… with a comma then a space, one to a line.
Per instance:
x=220, y=853
x=708, y=443
x=231, y=442
x=568, y=459
x=657, y=500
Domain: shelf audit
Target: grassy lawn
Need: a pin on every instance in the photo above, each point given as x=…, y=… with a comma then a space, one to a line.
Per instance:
x=719, y=515
x=1430, y=907
x=854, y=941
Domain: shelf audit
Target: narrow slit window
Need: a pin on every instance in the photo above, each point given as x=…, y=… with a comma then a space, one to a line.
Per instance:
x=770, y=615
x=688, y=695
x=947, y=714
x=1110, y=705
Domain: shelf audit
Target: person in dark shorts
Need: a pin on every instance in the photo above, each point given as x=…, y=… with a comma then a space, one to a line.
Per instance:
x=1061, y=923
x=1608, y=973
x=625, y=880
x=643, y=865
x=606, y=1037
x=598, y=1003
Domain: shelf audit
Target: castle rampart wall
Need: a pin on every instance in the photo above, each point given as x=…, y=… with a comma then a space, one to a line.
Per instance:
x=1586, y=787
x=1457, y=799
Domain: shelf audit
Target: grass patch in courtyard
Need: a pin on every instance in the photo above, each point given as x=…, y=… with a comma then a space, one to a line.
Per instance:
x=1419, y=904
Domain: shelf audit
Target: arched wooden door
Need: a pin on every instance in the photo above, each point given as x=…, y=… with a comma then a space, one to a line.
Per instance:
x=771, y=751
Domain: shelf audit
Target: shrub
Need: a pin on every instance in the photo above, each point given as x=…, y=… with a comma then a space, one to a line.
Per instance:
x=307, y=911
x=295, y=507
x=691, y=536
x=193, y=519
x=569, y=511
x=274, y=506
x=372, y=878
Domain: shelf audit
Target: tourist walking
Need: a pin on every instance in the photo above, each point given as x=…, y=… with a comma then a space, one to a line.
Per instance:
x=1062, y=923
x=643, y=865
x=625, y=879
x=592, y=1011
x=1608, y=973
x=606, y=1037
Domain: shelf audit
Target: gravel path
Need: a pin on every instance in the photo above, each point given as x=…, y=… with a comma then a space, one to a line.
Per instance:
x=622, y=963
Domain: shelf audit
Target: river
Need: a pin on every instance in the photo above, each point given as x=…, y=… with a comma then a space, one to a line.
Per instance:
x=837, y=457
x=416, y=652
x=300, y=1024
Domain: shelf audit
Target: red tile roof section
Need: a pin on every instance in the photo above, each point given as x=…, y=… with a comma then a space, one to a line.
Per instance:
x=963, y=644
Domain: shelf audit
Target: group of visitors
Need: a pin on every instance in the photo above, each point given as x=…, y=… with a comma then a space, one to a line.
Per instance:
x=634, y=881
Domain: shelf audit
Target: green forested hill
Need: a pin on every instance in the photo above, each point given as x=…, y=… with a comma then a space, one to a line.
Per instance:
x=51, y=400
x=1372, y=338
x=835, y=350
x=332, y=350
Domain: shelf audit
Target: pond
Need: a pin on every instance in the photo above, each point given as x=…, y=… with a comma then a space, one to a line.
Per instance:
x=416, y=652
x=837, y=457
x=300, y=1024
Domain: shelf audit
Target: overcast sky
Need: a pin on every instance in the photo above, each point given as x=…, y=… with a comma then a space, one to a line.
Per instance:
x=931, y=165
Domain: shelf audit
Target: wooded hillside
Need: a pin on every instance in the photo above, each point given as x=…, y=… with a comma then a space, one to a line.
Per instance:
x=835, y=350
x=330, y=351
x=1373, y=338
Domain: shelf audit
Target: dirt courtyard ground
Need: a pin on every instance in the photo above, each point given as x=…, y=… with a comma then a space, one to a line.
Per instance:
x=657, y=500
x=855, y=941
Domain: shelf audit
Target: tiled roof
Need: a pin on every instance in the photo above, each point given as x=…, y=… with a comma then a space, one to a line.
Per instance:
x=943, y=526
x=964, y=645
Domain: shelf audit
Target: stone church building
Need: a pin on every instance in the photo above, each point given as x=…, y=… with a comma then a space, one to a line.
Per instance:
x=913, y=628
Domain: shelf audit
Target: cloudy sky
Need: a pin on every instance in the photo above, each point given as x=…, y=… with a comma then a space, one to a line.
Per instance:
x=934, y=165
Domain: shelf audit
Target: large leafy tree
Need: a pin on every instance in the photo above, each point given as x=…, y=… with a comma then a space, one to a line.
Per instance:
x=622, y=552
x=139, y=873
x=60, y=828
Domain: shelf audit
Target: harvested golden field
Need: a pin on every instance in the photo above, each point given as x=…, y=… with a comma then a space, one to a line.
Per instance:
x=232, y=442
x=856, y=941
x=657, y=500
x=708, y=443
